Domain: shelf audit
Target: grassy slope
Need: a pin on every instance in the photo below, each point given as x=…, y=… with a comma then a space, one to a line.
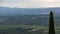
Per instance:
x=38, y=28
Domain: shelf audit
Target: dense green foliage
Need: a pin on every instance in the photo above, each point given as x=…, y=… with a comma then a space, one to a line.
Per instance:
x=51, y=24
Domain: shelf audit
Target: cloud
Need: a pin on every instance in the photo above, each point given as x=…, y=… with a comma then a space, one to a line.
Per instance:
x=31, y=3
x=1, y=1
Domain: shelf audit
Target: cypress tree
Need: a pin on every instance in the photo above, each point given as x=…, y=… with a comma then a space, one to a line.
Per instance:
x=51, y=24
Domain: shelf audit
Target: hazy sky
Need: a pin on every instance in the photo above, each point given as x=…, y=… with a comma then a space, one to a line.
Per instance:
x=30, y=3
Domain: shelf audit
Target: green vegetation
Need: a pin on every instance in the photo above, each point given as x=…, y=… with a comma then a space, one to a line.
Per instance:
x=42, y=20
x=22, y=26
x=51, y=24
x=29, y=24
x=24, y=29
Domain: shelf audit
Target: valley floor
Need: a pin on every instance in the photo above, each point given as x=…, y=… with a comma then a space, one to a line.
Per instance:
x=25, y=29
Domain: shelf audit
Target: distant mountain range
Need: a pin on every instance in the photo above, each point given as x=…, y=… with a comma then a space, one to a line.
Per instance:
x=4, y=11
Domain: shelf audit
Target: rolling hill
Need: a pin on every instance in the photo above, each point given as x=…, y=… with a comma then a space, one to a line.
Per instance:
x=4, y=11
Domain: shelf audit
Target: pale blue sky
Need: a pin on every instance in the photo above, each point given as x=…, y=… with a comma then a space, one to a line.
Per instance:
x=30, y=3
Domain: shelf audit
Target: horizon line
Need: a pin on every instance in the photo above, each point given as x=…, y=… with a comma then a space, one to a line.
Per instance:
x=31, y=7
